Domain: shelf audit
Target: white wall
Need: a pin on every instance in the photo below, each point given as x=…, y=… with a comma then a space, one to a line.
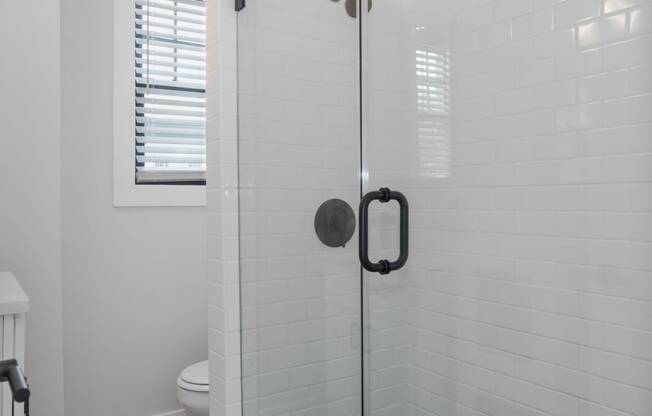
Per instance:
x=30, y=221
x=529, y=279
x=134, y=285
x=133, y=278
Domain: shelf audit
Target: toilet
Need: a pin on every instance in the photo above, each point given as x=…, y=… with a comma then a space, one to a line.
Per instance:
x=192, y=389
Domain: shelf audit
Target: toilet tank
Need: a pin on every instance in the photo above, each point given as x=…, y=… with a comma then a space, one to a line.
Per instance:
x=13, y=306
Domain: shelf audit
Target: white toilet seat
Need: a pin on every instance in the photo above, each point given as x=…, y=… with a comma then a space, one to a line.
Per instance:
x=199, y=388
x=194, y=377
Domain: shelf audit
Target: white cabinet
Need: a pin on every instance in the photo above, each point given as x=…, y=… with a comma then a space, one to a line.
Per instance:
x=13, y=306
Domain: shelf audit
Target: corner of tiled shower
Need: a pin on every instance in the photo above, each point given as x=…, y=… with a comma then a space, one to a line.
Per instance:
x=222, y=210
x=527, y=291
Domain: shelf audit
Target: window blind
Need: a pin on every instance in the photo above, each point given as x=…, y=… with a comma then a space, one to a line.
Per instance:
x=433, y=77
x=170, y=91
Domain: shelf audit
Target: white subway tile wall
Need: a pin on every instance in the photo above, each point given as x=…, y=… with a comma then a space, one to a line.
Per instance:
x=529, y=287
x=524, y=144
x=222, y=209
x=298, y=147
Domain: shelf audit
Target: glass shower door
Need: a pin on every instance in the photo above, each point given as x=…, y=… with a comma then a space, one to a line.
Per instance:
x=299, y=146
x=521, y=133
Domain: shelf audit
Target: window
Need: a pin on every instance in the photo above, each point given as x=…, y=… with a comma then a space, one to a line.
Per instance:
x=159, y=102
x=170, y=91
x=433, y=112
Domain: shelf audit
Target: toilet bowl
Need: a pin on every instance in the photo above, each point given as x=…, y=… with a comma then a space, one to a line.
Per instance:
x=192, y=389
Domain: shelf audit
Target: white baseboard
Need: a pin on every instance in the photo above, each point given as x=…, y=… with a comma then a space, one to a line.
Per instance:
x=179, y=412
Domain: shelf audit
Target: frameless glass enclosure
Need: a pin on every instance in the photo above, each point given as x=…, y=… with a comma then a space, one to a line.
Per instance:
x=520, y=134
x=299, y=145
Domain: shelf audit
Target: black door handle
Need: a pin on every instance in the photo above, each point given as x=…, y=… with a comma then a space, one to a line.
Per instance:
x=383, y=266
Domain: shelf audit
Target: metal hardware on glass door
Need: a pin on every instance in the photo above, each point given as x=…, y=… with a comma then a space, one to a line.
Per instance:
x=335, y=223
x=351, y=7
x=239, y=5
x=383, y=266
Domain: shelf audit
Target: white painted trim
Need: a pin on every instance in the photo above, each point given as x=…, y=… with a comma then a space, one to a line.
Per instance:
x=179, y=412
x=222, y=162
x=125, y=190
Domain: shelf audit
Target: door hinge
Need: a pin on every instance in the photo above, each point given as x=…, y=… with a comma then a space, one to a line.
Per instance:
x=352, y=7
x=239, y=5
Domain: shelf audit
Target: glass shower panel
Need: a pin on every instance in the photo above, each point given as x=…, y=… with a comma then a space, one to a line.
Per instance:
x=521, y=133
x=299, y=146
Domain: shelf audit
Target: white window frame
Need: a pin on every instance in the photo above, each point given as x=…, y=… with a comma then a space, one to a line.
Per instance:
x=125, y=190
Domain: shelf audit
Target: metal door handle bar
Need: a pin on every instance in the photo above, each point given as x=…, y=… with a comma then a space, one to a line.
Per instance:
x=383, y=266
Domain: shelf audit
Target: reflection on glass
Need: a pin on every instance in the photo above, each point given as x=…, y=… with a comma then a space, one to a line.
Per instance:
x=433, y=111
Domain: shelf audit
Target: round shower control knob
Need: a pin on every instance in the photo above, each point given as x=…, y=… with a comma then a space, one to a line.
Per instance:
x=335, y=223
